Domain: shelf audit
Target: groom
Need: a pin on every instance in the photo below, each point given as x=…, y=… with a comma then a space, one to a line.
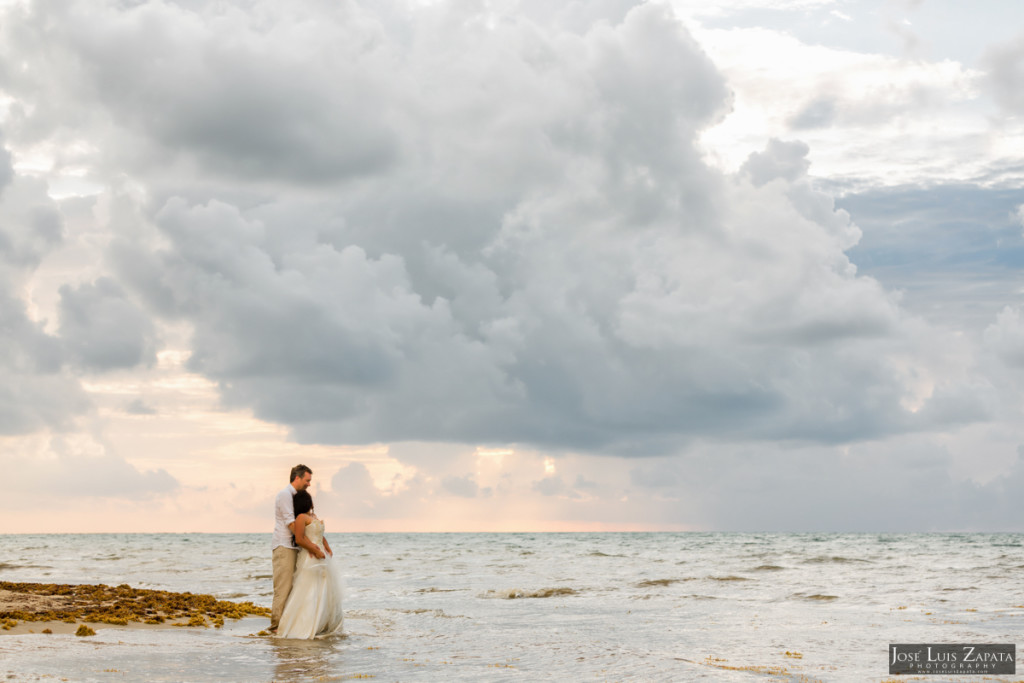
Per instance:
x=282, y=545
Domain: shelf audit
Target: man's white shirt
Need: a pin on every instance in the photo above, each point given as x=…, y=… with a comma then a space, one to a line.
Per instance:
x=284, y=514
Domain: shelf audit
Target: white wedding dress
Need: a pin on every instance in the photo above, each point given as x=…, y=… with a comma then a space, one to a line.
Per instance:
x=314, y=606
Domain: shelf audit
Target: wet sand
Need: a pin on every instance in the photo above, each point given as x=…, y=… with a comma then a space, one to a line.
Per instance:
x=66, y=608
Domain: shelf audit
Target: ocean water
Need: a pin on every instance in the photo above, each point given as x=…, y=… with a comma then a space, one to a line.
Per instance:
x=545, y=606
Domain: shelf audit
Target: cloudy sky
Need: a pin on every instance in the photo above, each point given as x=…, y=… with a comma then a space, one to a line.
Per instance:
x=512, y=264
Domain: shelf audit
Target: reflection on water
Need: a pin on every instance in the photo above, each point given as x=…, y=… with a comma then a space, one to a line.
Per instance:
x=301, y=660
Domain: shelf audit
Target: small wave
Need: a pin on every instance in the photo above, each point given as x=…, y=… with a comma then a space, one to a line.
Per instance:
x=768, y=568
x=516, y=593
x=438, y=590
x=729, y=578
x=11, y=565
x=598, y=553
x=837, y=559
x=659, y=582
x=816, y=596
x=439, y=613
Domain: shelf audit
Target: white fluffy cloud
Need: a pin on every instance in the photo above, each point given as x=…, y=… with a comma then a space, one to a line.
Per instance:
x=1006, y=74
x=1006, y=337
x=868, y=116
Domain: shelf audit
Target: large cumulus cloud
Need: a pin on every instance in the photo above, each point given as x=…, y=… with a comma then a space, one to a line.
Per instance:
x=254, y=94
x=376, y=238
x=37, y=391
x=97, y=327
x=103, y=329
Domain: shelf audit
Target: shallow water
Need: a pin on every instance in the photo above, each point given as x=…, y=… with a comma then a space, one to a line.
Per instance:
x=610, y=606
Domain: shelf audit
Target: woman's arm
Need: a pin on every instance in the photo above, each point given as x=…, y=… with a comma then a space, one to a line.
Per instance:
x=300, y=536
x=327, y=547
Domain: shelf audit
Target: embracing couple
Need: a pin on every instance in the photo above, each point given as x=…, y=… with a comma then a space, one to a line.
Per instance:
x=307, y=582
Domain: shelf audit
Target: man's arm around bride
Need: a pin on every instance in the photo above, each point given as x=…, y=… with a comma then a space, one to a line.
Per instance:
x=303, y=541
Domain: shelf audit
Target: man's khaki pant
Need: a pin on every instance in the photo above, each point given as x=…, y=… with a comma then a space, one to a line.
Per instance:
x=284, y=569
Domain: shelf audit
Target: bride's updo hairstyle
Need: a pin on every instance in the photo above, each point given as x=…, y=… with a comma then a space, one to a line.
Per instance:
x=303, y=502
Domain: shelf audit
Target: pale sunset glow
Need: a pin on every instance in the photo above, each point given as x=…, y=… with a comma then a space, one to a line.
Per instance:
x=512, y=266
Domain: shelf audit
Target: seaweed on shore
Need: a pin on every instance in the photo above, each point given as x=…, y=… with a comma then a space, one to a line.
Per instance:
x=122, y=604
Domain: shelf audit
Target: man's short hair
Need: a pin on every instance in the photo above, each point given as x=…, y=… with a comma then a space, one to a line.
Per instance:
x=299, y=471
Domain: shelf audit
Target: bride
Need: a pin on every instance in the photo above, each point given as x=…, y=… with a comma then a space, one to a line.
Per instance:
x=314, y=604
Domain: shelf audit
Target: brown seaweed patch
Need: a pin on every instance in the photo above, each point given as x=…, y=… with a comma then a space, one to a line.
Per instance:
x=115, y=605
x=84, y=630
x=15, y=601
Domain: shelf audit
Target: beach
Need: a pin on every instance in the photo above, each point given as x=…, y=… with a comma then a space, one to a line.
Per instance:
x=607, y=607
